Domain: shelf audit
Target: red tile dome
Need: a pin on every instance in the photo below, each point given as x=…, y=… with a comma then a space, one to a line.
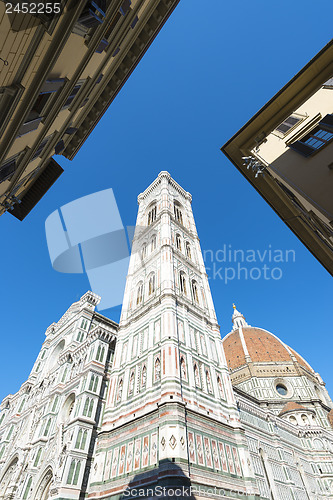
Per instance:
x=256, y=345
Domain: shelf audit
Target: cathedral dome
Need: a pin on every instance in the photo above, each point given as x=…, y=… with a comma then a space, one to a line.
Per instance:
x=255, y=345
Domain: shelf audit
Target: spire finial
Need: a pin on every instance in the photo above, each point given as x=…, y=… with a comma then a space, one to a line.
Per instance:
x=238, y=319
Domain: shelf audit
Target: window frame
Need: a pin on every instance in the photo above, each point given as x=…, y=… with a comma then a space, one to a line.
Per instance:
x=301, y=147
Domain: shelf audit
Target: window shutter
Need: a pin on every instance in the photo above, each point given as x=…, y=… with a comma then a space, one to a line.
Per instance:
x=102, y=46
x=327, y=121
x=29, y=126
x=59, y=147
x=302, y=148
x=7, y=169
x=125, y=6
x=52, y=85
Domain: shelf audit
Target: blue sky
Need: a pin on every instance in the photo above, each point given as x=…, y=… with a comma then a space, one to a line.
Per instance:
x=208, y=71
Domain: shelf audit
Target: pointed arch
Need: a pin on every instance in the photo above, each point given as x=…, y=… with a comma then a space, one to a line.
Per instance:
x=195, y=291
x=157, y=370
x=143, y=377
x=131, y=384
x=183, y=368
x=42, y=490
x=120, y=390
x=151, y=217
x=182, y=282
x=196, y=375
x=220, y=386
x=153, y=244
x=188, y=250
x=151, y=284
x=6, y=477
x=208, y=382
x=178, y=242
x=139, y=293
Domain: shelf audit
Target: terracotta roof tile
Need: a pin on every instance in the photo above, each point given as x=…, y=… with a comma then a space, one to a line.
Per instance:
x=291, y=406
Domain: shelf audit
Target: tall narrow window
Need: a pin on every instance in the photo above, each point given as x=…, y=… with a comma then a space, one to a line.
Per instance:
x=86, y=407
x=92, y=381
x=63, y=378
x=157, y=370
x=178, y=242
x=220, y=386
x=143, y=377
x=182, y=281
x=178, y=213
x=131, y=385
x=196, y=375
x=77, y=472
x=152, y=215
x=188, y=250
x=139, y=294
x=120, y=390
x=94, y=389
x=151, y=284
x=90, y=409
x=78, y=439
x=71, y=472
x=37, y=458
x=153, y=243
x=144, y=251
x=195, y=291
x=27, y=489
x=100, y=354
x=21, y=405
x=47, y=427
x=84, y=440
x=208, y=382
x=55, y=404
x=183, y=368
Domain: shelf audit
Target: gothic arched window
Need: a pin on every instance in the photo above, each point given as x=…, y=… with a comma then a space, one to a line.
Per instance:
x=131, y=385
x=139, y=294
x=195, y=291
x=143, y=377
x=47, y=427
x=196, y=375
x=152, y=215
x=182, y=281
x=144, y=251
x=183, y=368
x=91, y=407
x=153, y=243
x=120, y=390
x=188, y=250
x=157, y=370
x=178, y=213
x=208, y=382
x=220, y=386
x=178, y=242
x=151, y=284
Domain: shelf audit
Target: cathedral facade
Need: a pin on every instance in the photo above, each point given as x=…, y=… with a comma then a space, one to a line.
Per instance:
x=161, y=405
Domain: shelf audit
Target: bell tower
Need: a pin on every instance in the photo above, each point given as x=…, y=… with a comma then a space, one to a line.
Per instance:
x=170, y=416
